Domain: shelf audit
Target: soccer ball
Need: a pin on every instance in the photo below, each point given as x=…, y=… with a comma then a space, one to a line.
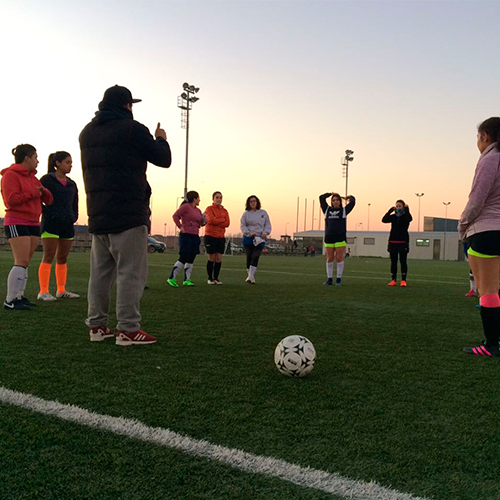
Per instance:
x=295, y=356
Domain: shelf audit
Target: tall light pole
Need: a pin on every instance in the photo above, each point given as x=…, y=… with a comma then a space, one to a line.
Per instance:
x=165, y=229
x=345, y=170
x=445, y=223
x=185, y=102
x=305, y=214
x=286, y=229
x=369, y=205
x=312, y=216
x=419, y=196
x=297, y=223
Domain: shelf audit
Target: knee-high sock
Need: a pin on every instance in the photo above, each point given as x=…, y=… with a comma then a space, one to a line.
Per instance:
x=217, y=266
x=210, y=270
x=188, y=269
x=61, y=276
x=472, y=281
x=44, y=276
x=340, y=269
x=251, y=272
x=490, y=316
x=24, y=282
x=175, y=270
x=329, y=270
x=16, y=282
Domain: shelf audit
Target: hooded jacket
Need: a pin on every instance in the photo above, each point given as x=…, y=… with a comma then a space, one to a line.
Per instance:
x=399, y=225
x=64, y=209
x=21, y=194
x=115, y=152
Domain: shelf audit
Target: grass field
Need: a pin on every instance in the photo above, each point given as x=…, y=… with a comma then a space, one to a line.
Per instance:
x=392, y=398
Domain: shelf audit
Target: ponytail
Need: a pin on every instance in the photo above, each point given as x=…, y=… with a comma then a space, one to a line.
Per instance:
x=55, y=157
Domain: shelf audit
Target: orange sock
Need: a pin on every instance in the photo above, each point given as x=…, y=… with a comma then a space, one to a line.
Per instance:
x=61, y=275
x=44, y=276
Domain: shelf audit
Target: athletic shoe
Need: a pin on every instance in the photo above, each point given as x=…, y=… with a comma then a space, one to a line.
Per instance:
x=471, y=293
x=67, y=295
x=211, y=282
x=217, y=282
x=46, y=297
x=392, y=283
x=483, y=350
x=403, y=283
x=338, y=282
x=134, y=338
x=27, y=302
x=16, y=304
x=100, y=333
x=251, y=281
x=329, y=281
x=172, y=283
x=188, y=283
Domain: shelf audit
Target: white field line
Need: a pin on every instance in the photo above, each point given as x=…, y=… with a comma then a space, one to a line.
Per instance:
x=381, y=278
x=248, y=462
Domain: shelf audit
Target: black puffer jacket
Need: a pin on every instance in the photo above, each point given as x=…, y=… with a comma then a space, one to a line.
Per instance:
x=115, y=152
x=64, y=208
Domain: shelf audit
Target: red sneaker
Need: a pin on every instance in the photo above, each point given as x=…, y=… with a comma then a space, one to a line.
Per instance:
x=403, y=283
x=134, y=338
x=471, y=293
x=392, y=283
x=100, y=333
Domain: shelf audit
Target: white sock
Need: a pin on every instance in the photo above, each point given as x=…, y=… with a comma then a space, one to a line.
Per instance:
x=188, y=269
x=24, y=283
x=16, y=283
x=340, y=269
x=473, y=286
x=177, y=267
x=251, y=272
x=329, y=270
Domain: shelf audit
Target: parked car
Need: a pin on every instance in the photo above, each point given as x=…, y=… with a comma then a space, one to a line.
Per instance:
x=155, y=245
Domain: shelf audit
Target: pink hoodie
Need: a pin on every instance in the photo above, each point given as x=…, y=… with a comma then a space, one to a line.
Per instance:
x=191, y=217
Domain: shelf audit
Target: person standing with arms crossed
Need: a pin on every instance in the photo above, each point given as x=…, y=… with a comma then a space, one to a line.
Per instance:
x=115, y=152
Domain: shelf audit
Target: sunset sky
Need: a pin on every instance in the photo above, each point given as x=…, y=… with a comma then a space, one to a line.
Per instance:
x=286, y=88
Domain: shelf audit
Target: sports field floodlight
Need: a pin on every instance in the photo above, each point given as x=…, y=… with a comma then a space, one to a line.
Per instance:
x=344, y=161
x=185, y=102
x=445, y=203
x=419, y=196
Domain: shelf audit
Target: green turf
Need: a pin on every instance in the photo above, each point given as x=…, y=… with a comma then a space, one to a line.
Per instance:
x=392, y=398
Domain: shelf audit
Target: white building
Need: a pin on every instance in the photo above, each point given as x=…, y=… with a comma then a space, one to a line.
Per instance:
x=426, y=245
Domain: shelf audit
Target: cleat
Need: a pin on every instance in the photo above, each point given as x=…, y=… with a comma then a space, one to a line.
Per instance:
x=251, y=281
x=338, y=282
x=392, y=283
x=211, y=282
x=134, y=338
x=329, y=281
x=403, y=283
x=471, y=293
x=67, y=295
x=217, y=282
x=188, y=283
x=27, y=302
x=100, y=333
x=172, y=283
x=45, y=297
x=483, y=350
x=16, y=305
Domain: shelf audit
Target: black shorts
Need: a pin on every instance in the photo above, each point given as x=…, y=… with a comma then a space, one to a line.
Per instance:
x=64, y=231
x=398, y=247
x=15, y=231
x=486, y=243
x=335, y=238
x=215, y=245
x=189, y=243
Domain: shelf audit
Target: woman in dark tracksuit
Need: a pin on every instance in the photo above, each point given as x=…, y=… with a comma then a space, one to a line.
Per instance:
x=335, y=233
x=399, y=239
x=57, y=227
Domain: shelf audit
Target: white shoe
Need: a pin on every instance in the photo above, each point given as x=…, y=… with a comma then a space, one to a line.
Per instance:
x=210, y=282
x=46, y=297
x=217, y=282
x=250, y=280
x=67, y=295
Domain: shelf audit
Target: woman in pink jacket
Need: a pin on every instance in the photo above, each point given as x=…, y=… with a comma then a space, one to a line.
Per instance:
x=480, y=226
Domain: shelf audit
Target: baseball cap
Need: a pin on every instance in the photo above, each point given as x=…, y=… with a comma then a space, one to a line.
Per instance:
x=119, y=95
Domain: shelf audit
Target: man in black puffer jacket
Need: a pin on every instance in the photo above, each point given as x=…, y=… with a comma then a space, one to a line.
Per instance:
x=115, y=152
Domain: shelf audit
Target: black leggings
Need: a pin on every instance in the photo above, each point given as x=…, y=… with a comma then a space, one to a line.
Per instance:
x=394, y=263
x=187, y=258
x=253, y=254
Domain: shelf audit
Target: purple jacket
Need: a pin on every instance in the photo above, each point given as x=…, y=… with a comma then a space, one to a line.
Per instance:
x=482, y=212
x=191, y=217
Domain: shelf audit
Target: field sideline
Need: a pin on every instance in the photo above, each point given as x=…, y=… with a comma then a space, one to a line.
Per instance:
x=391, y=400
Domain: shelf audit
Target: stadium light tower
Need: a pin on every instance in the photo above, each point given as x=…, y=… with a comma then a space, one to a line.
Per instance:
x=369, y=205
x=445, y=223
x=419, y=196
x=185, y=102
x=345, y=164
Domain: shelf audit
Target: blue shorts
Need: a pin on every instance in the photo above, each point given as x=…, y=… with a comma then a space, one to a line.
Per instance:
x=189, y=243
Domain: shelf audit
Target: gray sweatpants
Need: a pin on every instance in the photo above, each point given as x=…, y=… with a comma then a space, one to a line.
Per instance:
x=120, y=257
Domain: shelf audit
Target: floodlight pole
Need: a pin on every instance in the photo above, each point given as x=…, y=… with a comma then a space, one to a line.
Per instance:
x=445, y=221
x=345, y=163
x=419, y=196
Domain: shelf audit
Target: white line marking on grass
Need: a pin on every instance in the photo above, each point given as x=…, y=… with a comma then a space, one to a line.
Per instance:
x=248, y=462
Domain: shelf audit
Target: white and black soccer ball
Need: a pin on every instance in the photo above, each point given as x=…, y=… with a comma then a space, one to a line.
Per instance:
x=295, y=356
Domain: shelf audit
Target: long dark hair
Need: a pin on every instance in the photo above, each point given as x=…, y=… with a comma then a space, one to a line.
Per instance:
x=336, y=195
x=54, y=157
x=22, y=151
x=491, y=126
x=190, y=197
x=247, y=203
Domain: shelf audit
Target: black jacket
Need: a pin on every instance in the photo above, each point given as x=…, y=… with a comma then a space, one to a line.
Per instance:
x=399, y=228
x=115, y=152
x=64, y=208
